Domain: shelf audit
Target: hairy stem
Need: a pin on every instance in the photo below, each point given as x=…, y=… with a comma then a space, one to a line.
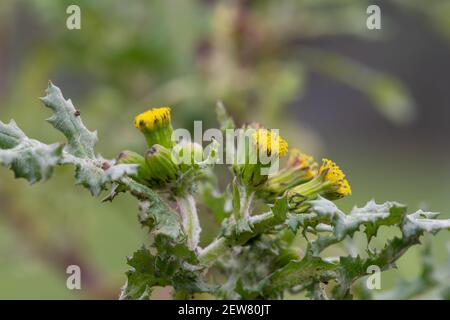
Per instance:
x=259, y=223
x=190, y=221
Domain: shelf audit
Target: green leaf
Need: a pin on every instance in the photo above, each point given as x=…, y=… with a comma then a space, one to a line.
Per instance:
x=154, y=212
x=10, y=135
x=372, y=216
x=304, y=271
x=280, y=209
x=142, y=277
x=66, y=119
x=412, y=227
x=171, y=266
x=28, y=158
x=91, y=171
x=421, y=221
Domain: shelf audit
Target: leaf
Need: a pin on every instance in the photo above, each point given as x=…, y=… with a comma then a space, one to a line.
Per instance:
x=372, y=216
x=167, y=267
x=410, y=289
x=412, y=227
x=66, y=119
x=28, y=158
x=421, y=221
x=91, y=171
x=154, y=213
x=280, y=209
x=303, y=271
x=10, y=135
x=141, y=277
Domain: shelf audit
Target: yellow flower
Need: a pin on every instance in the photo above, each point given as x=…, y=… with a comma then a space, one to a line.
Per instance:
x=156, y=126
x=263, y=140
x=302, y=161
x=152, y=118
x=333, y=174
x=330, y=182
x=299, y=169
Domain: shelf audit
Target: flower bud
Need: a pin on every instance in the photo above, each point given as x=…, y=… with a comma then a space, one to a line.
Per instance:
x=300, y=168
x=131, y=157
x=159, y=161
x=263, y=143
x=156, y=126
x=330, y=183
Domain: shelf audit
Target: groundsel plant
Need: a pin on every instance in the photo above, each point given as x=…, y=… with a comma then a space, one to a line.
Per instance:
x=260, y=217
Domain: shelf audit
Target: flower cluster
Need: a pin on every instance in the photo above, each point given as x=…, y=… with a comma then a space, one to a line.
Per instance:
x=164, y=163
x=255, y=254
x=301, y=178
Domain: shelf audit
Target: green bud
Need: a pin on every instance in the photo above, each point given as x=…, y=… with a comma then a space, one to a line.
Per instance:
x=299, y=169
x=329, y=183
x=131, y=157
x=161, y=166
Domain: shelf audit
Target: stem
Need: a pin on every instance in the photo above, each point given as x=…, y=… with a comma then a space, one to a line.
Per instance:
x=220, y=245
x=242, y=201
x=190, y=221
x=213, y=250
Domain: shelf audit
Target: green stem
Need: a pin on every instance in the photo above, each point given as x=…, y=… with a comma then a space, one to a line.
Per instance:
x=220, y=245
x=190, y=221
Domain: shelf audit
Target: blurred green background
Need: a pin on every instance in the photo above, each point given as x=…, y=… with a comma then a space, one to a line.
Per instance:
x=375, y=101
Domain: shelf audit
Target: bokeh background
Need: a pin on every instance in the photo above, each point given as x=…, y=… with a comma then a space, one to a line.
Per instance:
x=376, y=101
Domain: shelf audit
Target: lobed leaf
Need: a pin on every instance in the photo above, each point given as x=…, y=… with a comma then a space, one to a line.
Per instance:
x=67, y=119
x=28, y=158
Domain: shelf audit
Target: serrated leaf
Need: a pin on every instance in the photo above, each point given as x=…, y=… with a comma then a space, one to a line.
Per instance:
x=141, y=277
x=154, y=213
x=372, y=216
x=421, y=221
x=66, y=119
x=303, y=271
x=412, y=227
x=10, y=135
x=168, y=267
x=28, y=158
x=91, y=171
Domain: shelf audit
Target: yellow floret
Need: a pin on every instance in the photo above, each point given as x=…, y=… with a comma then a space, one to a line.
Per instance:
x=303, y=161
x=152, y=118
x=263, y=140
x=336, y=177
